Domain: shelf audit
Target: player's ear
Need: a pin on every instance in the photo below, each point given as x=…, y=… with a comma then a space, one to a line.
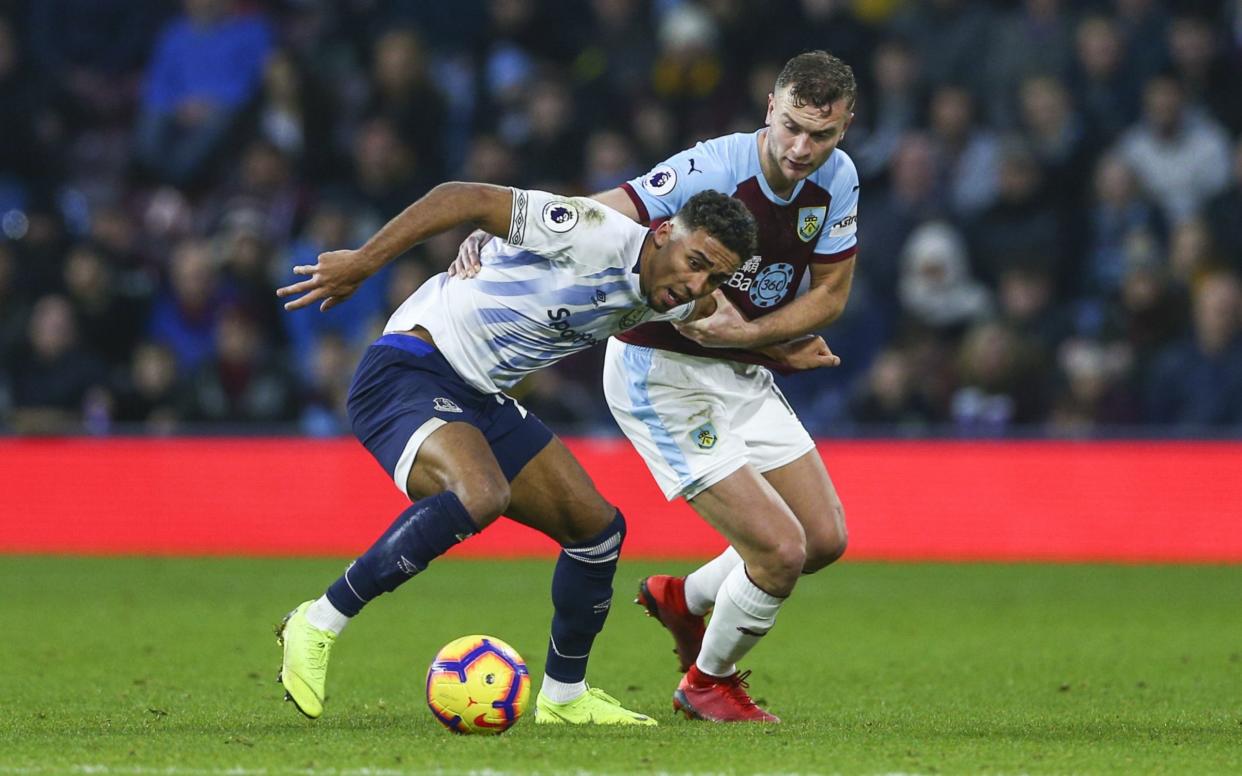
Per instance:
x=663, y=234
x=767, y=120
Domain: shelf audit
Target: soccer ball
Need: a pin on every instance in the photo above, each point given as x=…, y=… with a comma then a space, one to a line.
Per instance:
x=478, y=684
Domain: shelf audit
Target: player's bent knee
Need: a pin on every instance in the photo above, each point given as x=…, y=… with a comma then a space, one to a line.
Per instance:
x=826, y=547
x=484, y=498
x=586, y=524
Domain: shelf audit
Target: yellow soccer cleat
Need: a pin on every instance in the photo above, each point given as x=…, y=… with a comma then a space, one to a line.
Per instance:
x=595, y=707
x=304, y=672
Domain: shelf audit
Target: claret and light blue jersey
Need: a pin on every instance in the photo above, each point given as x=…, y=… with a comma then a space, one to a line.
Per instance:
x=564, y=279
x=816, y=224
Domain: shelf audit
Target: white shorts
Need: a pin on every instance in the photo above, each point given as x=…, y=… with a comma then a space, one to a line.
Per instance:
x=697, y=420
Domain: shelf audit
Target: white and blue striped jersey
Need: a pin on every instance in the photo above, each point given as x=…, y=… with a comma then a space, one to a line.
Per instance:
x=566, y=278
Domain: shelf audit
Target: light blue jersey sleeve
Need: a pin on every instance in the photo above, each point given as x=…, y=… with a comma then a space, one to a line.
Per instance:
x=840, y=239
x=665, y=189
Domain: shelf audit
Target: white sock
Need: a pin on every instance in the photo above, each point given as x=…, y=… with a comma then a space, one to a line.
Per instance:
x=561, y=692
x=324, y=616
x=704, y=583
x=742, y=615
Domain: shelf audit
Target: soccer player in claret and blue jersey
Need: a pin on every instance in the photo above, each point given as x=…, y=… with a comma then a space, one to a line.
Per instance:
x=698, y=401
x=727, y=441
x=428, y=401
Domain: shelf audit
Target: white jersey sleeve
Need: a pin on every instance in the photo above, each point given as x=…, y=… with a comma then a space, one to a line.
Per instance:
x=566, y=229
x=841, y=236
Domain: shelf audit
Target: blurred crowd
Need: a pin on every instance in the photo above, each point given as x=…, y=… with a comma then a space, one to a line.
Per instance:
x=1050, y=229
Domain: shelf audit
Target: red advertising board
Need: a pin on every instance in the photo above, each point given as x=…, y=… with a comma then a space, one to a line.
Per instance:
x=1061, y=501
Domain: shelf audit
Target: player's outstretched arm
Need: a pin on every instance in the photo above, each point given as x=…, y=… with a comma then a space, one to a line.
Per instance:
x=337, y=274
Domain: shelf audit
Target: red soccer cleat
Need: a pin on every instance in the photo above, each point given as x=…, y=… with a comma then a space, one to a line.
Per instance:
x=664, y=598
x=718, y=699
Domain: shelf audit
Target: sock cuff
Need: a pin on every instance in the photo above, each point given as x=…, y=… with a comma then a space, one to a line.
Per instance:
x=749, y=597
x=604, y=546
x=448, y=504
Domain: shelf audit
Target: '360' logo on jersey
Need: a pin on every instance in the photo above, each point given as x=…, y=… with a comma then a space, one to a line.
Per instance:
x=771, y=284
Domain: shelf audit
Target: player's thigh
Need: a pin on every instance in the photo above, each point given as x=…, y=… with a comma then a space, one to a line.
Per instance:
x=678, y=413
x=554, y=495
x=805, y=486
x=750, y=514
x=457, y=457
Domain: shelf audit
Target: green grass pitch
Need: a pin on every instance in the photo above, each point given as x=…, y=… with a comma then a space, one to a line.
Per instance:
x=166, y=666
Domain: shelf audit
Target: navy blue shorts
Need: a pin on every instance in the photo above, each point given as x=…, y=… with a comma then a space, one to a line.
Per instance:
x=404, y=389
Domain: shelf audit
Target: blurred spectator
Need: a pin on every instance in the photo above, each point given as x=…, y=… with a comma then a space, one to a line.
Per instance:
x=1105, y=90
x=406, y=95
x=1180, y=156
x=1199, y=380
x=1094, y=391
x=888, y=395
x=206, y=66
x=969, y=153
x=110, y=320
x=949, y=37
x=1026, y=296
x=331, y=370
x=25, y=159
x=295, y=114
x=1198, y=62
x=185, y=311
x=1036, y=39
x=1143, y=24
x=1002, y=381
x=386, y=176
x=550, y=154
x=688, y=68
x=1118, y=219
x=1192, y=252
x=53, y=377
x=242, y=384
x=1022, y=219
x=1222, y=212
x=149, y=394
x=936, y=288
x=890, y=112
x=615, y=63
x=893, y=212
x=1152, y=309
x=330, y=229
x=1058, y=138
x=609, y=161
x=96, y=58
x=14, y=308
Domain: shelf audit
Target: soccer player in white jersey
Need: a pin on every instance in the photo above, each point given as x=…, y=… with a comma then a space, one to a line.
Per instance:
x=699, y=403
x=428, y=401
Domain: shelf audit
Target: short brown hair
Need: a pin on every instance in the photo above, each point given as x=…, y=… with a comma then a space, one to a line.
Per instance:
x=818, y=78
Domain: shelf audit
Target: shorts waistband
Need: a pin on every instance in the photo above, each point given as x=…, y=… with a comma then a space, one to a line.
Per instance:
x=407, y=343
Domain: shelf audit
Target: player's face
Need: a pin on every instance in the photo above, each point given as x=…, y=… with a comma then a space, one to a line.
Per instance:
x=801, y=138
x=686, y=265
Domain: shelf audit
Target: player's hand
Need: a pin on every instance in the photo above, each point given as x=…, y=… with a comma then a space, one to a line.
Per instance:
x=467, y=263
x=333, y=278
x=724, y=328
x=809, y=352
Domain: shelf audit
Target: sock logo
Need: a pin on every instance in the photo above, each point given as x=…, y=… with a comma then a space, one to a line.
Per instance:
x=446, y=405
x=407, y=566
x=755, y=633
x=602, y=606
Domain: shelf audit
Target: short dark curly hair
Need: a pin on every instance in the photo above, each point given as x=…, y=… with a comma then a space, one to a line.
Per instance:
x=818, y=78
x=724, y=218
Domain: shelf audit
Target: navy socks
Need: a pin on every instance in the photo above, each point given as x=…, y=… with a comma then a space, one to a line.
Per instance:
x=421, y=533
x=582, y=596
